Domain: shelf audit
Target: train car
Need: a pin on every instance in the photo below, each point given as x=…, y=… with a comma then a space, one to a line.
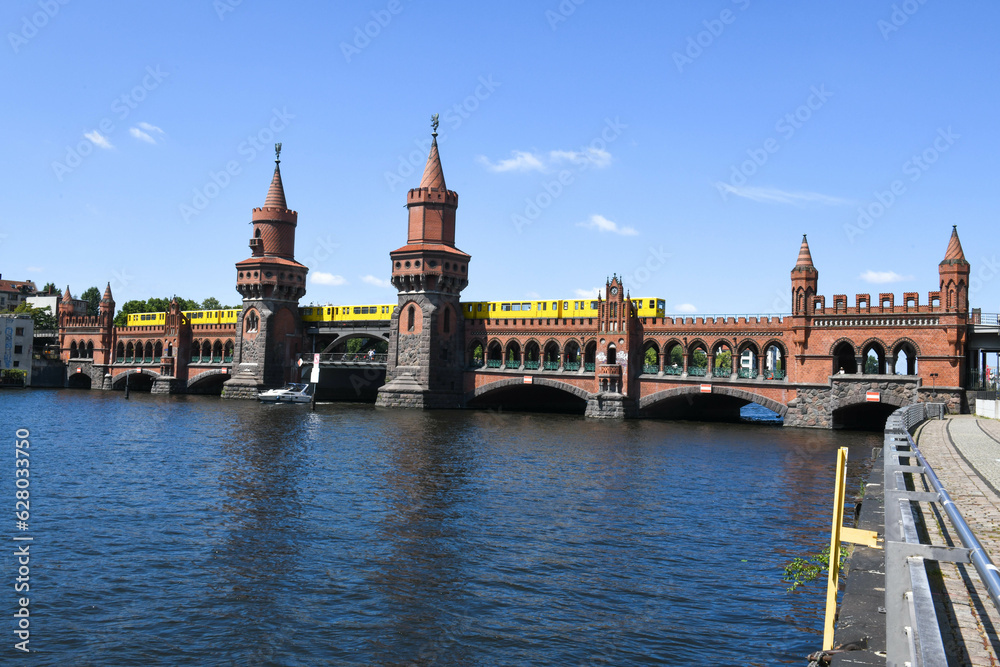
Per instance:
x=367, y=313
x=650, y=306
x=145, y=319
x=580, y=308
x=475, y=310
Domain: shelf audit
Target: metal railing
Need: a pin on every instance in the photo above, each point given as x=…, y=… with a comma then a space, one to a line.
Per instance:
x=346, y=358
x=673, y=370
x=550, y=365
x=571, y=366
x=913, y=635
x=697, y=371
x=747, y=373
x=494, y=363
x=722, y=372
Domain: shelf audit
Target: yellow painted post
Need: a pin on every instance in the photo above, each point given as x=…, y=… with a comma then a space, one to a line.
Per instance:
x=838, y=522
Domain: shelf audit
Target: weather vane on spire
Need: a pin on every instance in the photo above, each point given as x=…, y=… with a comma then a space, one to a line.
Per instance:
x=434, y=124
x=277, y=152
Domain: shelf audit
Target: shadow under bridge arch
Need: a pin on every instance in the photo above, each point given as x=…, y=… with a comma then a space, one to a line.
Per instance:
x=541, y=395
x=723, y=404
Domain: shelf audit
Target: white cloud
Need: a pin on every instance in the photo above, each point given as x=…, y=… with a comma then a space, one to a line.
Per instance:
x=98, y=140
x=321, y=278
x=594, y=157
x=776, y=196
x=34, y=269
x=376, y=281
x=522, y=161
x=142, y=136
x=146, y=136
x=685, y=308
x=602, y=224
x=881, y=277
x=588, y=293
x=528, y=161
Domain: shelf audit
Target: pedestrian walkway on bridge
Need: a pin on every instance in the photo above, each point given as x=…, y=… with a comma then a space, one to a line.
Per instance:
x=965, y=453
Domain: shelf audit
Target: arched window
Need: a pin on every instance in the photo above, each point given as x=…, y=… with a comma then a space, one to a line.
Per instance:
x=252, y=321
x=410, y=314
x=90, y=349
x=612, y=354
x=256, y=234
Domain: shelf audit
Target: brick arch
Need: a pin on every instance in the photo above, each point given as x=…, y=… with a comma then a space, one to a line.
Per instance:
x=843, y=339
x=724, y=341
x=651, y=342
x=693, y=345
x=537, y=381
x=695, y=390
x=201, y=377
x=899, y=342
x=749, y=344
x=119, y=380
x=874, y=341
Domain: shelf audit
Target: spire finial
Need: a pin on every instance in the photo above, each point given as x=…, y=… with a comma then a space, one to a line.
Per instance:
x=277, y=153
x=434, y=125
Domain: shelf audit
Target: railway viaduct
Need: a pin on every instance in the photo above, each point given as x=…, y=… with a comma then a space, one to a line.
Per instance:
x=824, y=365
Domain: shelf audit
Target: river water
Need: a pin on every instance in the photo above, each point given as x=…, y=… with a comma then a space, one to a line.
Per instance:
x=188, y=530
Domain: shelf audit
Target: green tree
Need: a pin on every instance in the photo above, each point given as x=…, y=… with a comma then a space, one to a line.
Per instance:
x=700, y=358
x=871, y=365
x=50, y=289
x=724, y=360
x=93, y=298
x=42, y=317
x=129, y=308
x=676, y=356
x=211, y=303
x=650, y=358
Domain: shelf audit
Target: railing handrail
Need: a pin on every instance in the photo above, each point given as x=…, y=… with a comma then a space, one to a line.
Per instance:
x=902, y=545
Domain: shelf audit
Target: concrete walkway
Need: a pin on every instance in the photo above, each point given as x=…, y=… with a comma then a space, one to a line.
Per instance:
x=965, y=453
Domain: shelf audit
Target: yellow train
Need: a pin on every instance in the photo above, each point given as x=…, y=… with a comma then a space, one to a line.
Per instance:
x=382, y=311
x=229, y=316
x=569, y=308
x=471, y=310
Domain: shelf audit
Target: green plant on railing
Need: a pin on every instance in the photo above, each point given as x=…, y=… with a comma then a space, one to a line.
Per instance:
x=673, y=370
x=531, y=365
x=493, y=363
x=650, y=370
x=802, y=571
x=589, y=367
x=697, y=371
x=571, y=366
x=551, y=365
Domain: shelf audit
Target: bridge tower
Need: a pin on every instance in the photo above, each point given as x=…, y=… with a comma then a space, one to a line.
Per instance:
x=424, y=368
x=954, y=273
x=616, y=374
x=271, y=282
x=805, y=286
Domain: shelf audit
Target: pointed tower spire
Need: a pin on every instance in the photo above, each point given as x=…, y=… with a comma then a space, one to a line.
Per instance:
x=805, y=257
x=107, y=293
x=67, y=297
x=433, y=174
x=276, y=193
x=954, y=253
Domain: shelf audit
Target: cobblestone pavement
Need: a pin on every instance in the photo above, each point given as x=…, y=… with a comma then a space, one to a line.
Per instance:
x=950, y=445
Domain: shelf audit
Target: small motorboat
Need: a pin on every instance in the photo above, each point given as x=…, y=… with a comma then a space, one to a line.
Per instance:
x=290, y=393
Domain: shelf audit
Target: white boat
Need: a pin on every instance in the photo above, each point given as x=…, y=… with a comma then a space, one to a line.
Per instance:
x=290, y=393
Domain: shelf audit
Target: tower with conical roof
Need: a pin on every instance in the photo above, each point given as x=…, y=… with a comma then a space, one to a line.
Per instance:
x=954, y=274
x=271, y=282
x=425, y=362
x=805, y=280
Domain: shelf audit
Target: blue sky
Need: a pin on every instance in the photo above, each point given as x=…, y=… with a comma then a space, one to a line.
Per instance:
x=686, y=146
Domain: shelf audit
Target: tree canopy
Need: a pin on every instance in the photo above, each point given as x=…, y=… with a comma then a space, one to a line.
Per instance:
x=42, y=317
x=93, y=298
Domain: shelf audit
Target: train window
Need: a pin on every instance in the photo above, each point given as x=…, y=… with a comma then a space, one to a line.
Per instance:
x=661, y=304
x=543, y=305
x=479, y=307
x=505, y=306
x=555, y=305
x=651, y=304
x=357, y=310
x=515, y=306
x=593, y=305
x=493, y=306
x=566, y=305
x=525, y=306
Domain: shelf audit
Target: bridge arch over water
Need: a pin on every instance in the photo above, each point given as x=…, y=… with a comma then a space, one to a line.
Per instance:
x=689, y=403
x=513, y=394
